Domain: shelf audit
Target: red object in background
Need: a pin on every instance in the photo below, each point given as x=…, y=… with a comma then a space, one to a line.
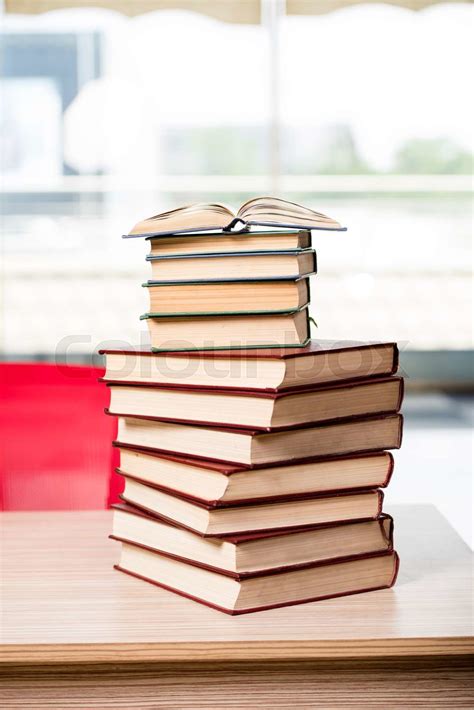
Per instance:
x=55, y=440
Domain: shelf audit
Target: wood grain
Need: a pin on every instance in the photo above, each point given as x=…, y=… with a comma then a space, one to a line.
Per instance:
x=399, y=683
x=63, y=603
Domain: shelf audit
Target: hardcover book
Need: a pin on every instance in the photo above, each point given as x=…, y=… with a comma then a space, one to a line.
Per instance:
x=259, y=212
x=252, y=447
x=220, y=267
x=321, y=581
x=224, y=297
x=246, y=555
x=229, y=242
x=229, y=331
x=259, y=369
x=215, y=483
x=230, y=520
x=268, y=411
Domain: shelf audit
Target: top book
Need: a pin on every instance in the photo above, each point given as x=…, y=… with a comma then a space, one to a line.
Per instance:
x=259, y=212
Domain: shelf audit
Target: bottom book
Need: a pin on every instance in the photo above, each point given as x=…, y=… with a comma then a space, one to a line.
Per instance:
x=253, y=554
x=322, y=580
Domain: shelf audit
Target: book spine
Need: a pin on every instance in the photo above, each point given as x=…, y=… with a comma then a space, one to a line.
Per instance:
x=387, y=528
x=233, y=223
x=380, y=495
x=401, y=422
x=401, y=393
x=391, y=465
x=396, y=359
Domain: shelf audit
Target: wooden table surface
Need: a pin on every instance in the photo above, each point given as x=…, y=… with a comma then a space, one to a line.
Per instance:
x=77, y=634
x=63, y=602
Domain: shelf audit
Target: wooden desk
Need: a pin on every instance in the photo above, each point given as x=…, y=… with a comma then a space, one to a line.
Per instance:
x=78, y=634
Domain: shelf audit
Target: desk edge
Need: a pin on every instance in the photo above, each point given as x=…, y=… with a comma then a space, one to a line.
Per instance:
x=190, y=651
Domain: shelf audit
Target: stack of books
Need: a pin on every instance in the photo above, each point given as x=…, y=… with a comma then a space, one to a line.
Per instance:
x=253, y=468
x=219, y=288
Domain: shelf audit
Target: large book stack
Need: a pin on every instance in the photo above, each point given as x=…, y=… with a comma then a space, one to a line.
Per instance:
x=253, y=457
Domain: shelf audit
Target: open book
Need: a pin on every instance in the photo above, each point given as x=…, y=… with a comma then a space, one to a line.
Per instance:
x=260, y=211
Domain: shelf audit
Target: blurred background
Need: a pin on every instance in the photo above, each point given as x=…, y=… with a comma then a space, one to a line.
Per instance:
x=115, y=110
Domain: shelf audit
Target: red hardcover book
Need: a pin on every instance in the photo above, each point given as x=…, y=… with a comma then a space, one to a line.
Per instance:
x=247, y=555
x=251, y=447
x=267, y=411
x=325, y=580
x=254, y=516
x=218, y=485
x=255, y=369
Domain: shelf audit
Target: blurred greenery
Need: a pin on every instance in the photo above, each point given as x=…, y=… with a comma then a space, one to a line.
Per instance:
x=432, y=156
x=215, y=150
x=330, y=150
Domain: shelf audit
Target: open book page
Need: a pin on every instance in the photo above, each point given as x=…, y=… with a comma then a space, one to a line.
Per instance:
x=265, y=211
x=196, y=216
x=273, y=209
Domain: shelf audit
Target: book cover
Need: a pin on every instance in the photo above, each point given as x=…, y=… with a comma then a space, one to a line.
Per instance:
x=258, y=394
x=228, y=469
x=233, y=254
x=313, y=347
x=284, y=528
x=255, y=433
x=218, y=233
x=257, y=500
x=233, y=279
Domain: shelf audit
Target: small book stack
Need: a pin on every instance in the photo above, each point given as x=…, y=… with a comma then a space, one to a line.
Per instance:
x=253, y=457
x=219, y=288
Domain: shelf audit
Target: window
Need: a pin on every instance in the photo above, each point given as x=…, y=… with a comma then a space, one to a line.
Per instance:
x=109, y=119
